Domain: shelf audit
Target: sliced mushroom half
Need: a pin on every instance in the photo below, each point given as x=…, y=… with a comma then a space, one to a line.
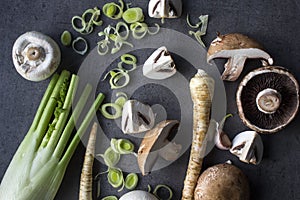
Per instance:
x=35, y=56
x=137, y=117
x=159, y=65
x=248, y=147
x=237, y=48
x=165, y=8
x=156, y=143
x=268, y=99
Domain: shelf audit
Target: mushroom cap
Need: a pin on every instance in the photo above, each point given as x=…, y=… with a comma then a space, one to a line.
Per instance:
x=232, y=41
x=154, y=139
x=138, y=195
x=271, y=78
x=36, y=56
x=222, y=182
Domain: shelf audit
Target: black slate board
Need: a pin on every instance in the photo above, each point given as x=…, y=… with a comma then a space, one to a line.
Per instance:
x=275, y=24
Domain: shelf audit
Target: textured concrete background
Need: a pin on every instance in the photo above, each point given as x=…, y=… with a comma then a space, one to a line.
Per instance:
x=275, y=24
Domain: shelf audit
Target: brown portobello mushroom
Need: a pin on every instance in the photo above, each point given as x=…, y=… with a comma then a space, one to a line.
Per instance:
x=237, y=48
x=222, y=182
x=156, y=143
x=268, y=99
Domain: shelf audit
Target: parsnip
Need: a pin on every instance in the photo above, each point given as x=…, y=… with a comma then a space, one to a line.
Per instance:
x=202, y=89
x=86, y=179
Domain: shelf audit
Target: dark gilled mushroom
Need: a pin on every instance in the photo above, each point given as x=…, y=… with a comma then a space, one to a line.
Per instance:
x=165, y=8
x=156, y=143
x=237, y=48
x=136, y=117
x=268, y=99
x=36, y=56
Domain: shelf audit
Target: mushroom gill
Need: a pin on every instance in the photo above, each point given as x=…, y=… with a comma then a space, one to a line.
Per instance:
x=284, y=89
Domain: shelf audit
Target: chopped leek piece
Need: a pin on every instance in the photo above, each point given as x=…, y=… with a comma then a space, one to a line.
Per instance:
x=121, y=101
x=139, y=30
x=124, y=146
x=77, y=40
x=110, y=198
x=111, y=158
x=165, y=187
x=86, y=22
x=117, y=77
x=115, y=177
x=189, y=23
x=203, y=22
x=117, y=110
x=156, y=31
x=128, y=59
x=66, y=38
x=131, y=181
x=133, y=15
x=113, y=10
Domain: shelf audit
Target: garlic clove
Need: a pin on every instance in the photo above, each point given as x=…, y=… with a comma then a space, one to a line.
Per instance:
x=136, y=117
x=222, y=140
x=159, y=65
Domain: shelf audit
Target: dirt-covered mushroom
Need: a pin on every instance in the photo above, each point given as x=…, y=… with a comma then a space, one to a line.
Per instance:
x=248, y=147
x=268, y=99
x=156, y=142
x=36, y=56
x=222, y=182
x=237, y=48
x=165, y=8
x=159, y=65
x=138, y=195
x=136, y=117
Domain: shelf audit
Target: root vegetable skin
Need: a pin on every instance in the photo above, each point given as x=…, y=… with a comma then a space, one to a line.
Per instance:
x=201, y=87
x=86, y=180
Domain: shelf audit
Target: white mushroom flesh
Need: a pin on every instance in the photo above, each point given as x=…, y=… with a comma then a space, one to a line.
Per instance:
x=138, y=195
x=248, y=147
x=236, y=60
x=159, y=65
x=165, y=8
x=136, y=117
x=35, y=56
x=171, y=151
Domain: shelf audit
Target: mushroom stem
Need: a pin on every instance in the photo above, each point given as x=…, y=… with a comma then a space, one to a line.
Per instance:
x=233, y=67
x=34, y=53
x=268, y=101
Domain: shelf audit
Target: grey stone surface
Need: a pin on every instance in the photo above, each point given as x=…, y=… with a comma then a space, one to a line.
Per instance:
x=275, y=24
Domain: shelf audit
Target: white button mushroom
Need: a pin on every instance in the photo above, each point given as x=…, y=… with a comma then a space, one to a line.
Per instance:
x=36, y=56
x=136, y=117
x=248, y=147
x=165, y=8
x=138, y=195
x=159, y=65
